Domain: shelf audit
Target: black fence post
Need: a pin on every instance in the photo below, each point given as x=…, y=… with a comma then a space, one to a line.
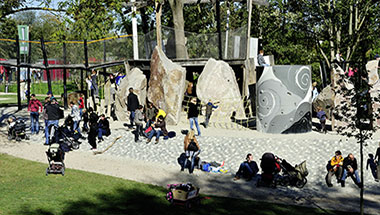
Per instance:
x=18, y=74
x=86, y=67
x=29, y=62
x=46, y=64
x=219, y=30
x=64, y=78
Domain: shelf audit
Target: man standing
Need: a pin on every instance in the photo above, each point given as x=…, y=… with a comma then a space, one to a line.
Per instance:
x=248, y=169
x=133, y=104
x=350, y=168
x=54, y=113
x=260, y=59
x=209, y=108
x=34, y=107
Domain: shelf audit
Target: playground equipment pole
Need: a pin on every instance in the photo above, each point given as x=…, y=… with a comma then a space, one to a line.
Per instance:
x=64, y=78
x=46, y=64
x=220, y=55
x=134, y=32
x=18, y=74
x=29, y=62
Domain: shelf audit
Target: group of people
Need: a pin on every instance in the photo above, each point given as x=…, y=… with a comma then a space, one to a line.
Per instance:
x=342, y=168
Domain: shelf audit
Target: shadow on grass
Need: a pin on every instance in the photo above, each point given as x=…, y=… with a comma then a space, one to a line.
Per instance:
x=152, y=201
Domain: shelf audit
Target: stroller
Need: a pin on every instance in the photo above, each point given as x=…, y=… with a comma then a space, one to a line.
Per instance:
x=17, y=129
x=270, y=168
x=55, y=156
x=293, y=176
x=183, y=194
x=64, y=136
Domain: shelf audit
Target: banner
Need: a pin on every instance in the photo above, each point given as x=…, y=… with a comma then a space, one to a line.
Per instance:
x=23, y=34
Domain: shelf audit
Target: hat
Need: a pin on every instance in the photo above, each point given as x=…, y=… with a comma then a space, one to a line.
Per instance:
x=377, y=56
x=53, y=98
x=49, y=92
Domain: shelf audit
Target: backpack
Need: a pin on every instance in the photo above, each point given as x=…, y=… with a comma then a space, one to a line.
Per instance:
x=192, y=146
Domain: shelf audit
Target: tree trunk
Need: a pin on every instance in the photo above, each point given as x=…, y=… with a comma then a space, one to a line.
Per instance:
x=179, y=28
x=158, y=24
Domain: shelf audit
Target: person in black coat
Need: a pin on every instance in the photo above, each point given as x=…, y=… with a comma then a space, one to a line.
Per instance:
x=133, y=104
x=103, y=128
x=350, y=168
x=248, y=169
x=193, y=113
x=54, y=113
x=93, y=124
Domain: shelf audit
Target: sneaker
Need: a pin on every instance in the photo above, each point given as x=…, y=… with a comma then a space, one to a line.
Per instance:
x=148, y=141
x=236, y=178
x=138, y=141
x=343, y=183
x=329, y=185
x=156, y=142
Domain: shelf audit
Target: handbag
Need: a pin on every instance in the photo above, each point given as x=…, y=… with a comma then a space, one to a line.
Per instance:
x=148, y=129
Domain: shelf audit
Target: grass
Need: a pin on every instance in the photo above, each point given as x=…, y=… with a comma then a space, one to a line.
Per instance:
x=12, y=100
x=26, y=190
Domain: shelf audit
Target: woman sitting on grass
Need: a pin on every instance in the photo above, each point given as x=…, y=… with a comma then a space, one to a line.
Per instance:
x=192, y=150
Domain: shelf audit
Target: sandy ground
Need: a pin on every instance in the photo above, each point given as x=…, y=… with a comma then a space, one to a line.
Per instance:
x=156, y=164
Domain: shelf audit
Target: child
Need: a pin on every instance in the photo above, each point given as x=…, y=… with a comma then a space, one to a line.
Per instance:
x=321, y=115
x=373, y=166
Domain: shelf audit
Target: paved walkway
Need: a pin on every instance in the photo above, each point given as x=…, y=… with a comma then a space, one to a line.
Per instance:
x=157, y=164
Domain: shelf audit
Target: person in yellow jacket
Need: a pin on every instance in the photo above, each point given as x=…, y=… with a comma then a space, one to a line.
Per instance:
x=160, y=112
x=334, y=167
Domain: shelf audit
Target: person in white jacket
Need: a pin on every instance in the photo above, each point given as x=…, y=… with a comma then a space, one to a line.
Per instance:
x=75, y=114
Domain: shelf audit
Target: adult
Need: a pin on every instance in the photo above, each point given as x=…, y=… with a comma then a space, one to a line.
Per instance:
x=334, y=167
x=193, y=113
x=76, y=116
x=133, y=104
x=139, y=120
x=103, y=128
x=192, y=150
x=350, y=168
x=45, y=116
x=150, y=113
x=23, y=81
x=372, y=164
x=159, y=124
x=89, y=85
x=54, y=113
x=93, y=124
x=209, y=108
x=34, y=109
x=248, y=169
x=260, y=59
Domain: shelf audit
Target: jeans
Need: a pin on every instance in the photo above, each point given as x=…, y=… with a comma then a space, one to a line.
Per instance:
x=139, y=131
x=101, y=132
x=192, y=120
x=76, y=126
x=356, y=179
x=148, y=123
x=34, y=125
x=132, y=117
x=49, y=123
x=158, y=133
x=192, y=155
x=245, y=171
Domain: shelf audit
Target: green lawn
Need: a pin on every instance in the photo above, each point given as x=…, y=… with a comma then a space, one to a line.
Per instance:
x=12, y=100
x=24, y=189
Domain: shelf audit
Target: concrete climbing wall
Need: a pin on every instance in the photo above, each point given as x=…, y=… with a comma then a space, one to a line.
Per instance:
x=284, y=99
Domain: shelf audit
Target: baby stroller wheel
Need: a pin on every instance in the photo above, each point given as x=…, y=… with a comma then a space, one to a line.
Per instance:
x=301, y=183
x=47, y=171
x=26, y=137
x=188, y=204
x=284, y=181
x=63, y=172
x=75, y=145
x=169, y=197
x=18, y=138
x=258, y=184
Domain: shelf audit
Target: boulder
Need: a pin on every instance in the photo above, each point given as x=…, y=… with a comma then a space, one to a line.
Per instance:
x=136, y=79
x=342, y=100
x=372, y=69
x=217, y=83
x=325, y=100
x=166, y=85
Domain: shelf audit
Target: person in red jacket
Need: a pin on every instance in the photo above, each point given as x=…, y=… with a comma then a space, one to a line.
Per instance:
x=81, y=104
x=34, y=109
